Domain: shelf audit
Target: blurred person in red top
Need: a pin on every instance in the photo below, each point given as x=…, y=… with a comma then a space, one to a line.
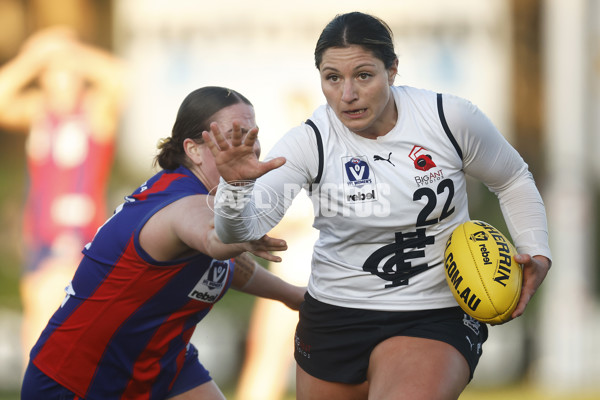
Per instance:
x=67, y=96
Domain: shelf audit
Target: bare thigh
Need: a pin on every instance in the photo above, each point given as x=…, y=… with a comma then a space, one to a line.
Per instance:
x=206, y=391
x=412, y=368
x=310, y=388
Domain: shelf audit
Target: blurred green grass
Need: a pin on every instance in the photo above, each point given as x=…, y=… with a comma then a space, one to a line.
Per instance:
x=525, y=392
x=517, y=392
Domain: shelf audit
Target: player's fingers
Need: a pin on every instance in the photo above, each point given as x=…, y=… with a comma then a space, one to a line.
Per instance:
x=523, y=301
x=273, y=244
x=522, y=258
x=530, y=284
x=267, y=256
x=211, y=143
x=218, y=137
x=271, y=165
x=251, y=137
x=277, y=247
x=237, y=134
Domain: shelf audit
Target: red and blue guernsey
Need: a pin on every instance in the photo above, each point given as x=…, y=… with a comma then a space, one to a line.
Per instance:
x=123, y=328
x=68, y=168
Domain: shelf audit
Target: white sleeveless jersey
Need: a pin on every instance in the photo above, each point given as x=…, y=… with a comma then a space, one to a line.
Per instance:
x=384, y=208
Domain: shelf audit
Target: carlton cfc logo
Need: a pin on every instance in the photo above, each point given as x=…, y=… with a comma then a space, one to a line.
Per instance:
x=422, y=160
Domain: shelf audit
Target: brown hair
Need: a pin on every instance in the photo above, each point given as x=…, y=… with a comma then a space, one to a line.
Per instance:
x=194, y=116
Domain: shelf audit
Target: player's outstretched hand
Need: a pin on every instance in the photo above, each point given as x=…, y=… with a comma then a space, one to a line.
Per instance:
x=264, y=246
x=535, y=270
x=236, y=158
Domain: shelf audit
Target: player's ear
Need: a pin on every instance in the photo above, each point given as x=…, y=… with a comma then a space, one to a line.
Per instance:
x=193, y=151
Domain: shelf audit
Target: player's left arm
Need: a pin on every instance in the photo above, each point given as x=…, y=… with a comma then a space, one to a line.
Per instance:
x=490, y=158
x=251, y=278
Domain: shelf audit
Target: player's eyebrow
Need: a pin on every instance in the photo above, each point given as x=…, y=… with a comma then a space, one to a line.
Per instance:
x=358, y=67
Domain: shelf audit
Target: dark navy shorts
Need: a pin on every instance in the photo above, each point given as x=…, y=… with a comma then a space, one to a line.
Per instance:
x=334, y=343
x=37, y=385
x=191, y=375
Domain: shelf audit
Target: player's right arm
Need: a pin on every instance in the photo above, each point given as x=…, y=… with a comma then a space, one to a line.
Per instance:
x=186, y=226
x=251, y=278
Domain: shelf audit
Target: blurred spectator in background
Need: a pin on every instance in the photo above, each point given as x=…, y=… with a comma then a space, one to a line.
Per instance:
x=67, y=96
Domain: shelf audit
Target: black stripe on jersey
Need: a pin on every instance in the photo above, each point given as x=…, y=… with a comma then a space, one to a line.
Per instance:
x=320, y=149
x=446, y=127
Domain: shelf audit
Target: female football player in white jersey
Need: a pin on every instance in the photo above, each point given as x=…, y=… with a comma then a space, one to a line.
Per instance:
x=385, y=166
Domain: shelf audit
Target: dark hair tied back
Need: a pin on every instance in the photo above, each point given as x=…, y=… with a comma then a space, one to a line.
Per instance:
x=194, y=117
x=360, y=29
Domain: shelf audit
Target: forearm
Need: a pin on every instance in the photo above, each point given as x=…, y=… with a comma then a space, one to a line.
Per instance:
x=18, y=102
x=15, y=75
x=251, y=278
x=525, y=216
x=245, y=268
x=236, y=214
x=244, y=213
x=219, y=250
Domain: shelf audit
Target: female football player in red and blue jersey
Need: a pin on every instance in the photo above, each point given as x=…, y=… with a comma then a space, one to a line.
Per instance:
x=151, y=273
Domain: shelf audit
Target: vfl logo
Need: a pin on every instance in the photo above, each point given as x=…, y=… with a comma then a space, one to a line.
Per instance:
x=422, y=161
x=209, y=287
x=357, y=172
x=379, y=158
x=480, y=236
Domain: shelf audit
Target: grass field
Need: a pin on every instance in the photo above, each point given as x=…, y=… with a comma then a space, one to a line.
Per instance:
x=509, y=393
x=525, y=393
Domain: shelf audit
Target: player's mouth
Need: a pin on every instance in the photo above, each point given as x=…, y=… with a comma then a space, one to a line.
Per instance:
x=355, y=113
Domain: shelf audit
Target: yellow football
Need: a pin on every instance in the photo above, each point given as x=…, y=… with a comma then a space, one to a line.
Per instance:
x=481, y=272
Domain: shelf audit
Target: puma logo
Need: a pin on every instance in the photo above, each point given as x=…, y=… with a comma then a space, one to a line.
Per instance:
x=379, y=158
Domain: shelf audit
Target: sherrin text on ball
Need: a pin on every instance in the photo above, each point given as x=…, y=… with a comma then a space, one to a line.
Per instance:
x=481, y=272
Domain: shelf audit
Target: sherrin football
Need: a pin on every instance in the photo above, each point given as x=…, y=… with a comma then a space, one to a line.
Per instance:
x=482, y=273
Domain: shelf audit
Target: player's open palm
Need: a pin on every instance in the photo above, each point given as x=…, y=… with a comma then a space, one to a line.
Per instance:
x=236, y=158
